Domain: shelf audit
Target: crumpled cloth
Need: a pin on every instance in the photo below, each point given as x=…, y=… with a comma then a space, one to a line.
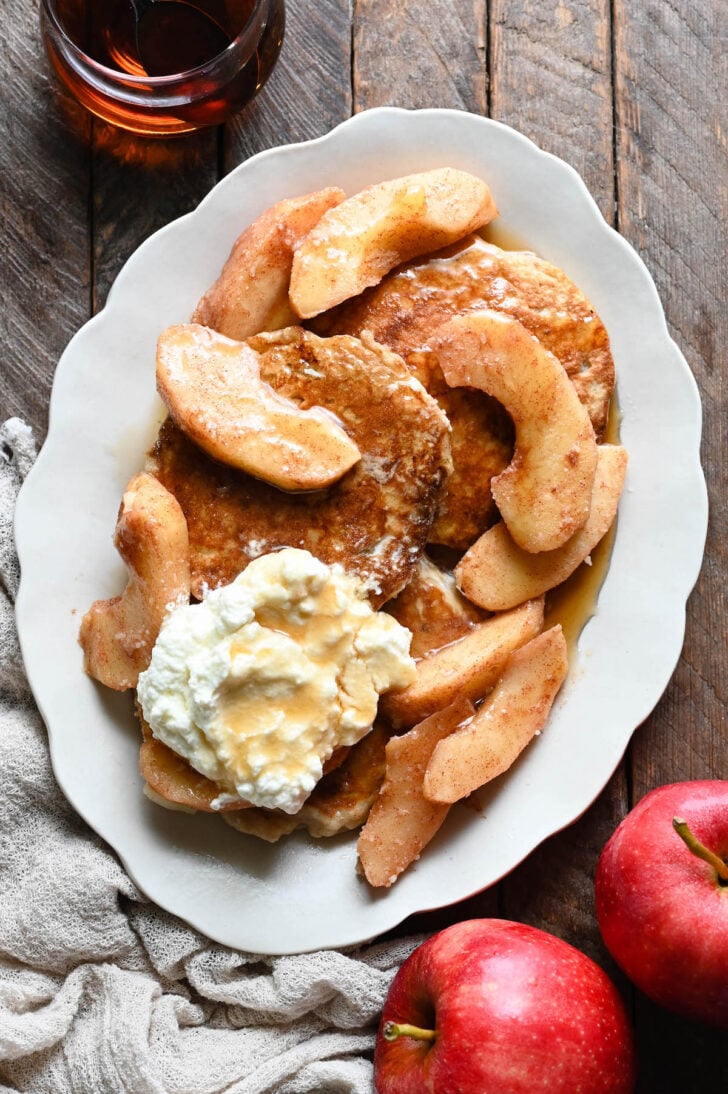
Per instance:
x=102, y=991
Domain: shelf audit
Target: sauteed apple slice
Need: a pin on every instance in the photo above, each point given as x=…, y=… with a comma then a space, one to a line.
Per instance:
x=545, y=492
x=356, y=243
x=402, y=821
x=496, y=573
x=117, y=635
x=214, y=393
x=517, y=709
x=251, y=293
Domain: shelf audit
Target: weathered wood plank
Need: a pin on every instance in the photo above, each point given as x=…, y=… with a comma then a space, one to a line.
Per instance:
x=670, y=67
x=425, y=53
x=309, y=91
x=45, y=253
x=139, y=185
x=550, y=77
x=673, y=186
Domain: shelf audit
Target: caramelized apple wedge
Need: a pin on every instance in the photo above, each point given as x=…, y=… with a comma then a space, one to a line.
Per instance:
x=213, y=391
x=117, y=635
x=176, y=782
x=515, y=711
x=432, y=608
x=470, y=666
x=544, y=493
x=251, y=293
x=359, y=241
x=402, y=821
x=496, y=573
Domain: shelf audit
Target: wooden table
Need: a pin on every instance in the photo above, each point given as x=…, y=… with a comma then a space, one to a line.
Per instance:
x=634, y=96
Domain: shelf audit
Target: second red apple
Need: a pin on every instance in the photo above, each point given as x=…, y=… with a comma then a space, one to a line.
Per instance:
x=493, y=1007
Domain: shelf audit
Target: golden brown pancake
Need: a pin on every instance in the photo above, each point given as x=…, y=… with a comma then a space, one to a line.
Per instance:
x=340, y=801
x=411, y=303
x=375, y=521
x=433, y=609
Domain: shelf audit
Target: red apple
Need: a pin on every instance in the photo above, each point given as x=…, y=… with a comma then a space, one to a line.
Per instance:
x=492, y=1007
x=662, y=906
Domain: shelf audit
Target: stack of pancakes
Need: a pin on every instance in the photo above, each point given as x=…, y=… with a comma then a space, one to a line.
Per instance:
x=422, y=484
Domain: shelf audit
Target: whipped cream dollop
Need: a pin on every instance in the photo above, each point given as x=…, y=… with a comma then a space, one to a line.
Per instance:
x=257, y=685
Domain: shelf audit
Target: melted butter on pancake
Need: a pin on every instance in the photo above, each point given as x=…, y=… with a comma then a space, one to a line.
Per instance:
x=375, y=521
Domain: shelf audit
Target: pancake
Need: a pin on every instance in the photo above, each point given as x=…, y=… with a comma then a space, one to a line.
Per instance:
x=481, y=442
x=340, y=801
x=375, y=521
x=408, y=306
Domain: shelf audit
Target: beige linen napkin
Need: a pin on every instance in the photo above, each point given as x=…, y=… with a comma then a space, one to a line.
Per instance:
x=100, y=990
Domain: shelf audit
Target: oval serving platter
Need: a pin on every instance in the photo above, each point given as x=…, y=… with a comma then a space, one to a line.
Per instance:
x=302, y=894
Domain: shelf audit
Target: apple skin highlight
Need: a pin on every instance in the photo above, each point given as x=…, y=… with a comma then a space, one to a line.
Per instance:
x=516, y=1010
x=662, y=910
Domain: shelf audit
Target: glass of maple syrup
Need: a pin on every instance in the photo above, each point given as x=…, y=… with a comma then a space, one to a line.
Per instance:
x=163, y=67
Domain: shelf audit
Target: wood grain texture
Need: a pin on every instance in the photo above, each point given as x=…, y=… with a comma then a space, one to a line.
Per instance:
x=45, y=187
x=139, y=186
x=672, y=171
x=550, y=77
x=420, y=53
x=673, y=184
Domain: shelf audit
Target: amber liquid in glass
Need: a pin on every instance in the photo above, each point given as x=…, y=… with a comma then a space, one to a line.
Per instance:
x=170, y=41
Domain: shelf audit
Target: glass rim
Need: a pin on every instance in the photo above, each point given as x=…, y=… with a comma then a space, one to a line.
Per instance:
x=144, y=82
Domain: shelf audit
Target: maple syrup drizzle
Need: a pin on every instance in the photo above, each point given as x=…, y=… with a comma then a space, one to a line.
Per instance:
x=574, y=602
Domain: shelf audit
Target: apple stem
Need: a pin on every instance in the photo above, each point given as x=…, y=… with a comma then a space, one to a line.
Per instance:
x=699, y=849
x=392, y=1030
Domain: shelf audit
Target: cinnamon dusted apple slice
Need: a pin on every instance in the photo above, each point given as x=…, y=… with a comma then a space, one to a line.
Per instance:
x=214, y=393
x=251, y=293
x=117, y=635
x=359, y=241
x=402, y=821
x=469, y=666
x=544, y=493
x=496, y=573
x=516, y=710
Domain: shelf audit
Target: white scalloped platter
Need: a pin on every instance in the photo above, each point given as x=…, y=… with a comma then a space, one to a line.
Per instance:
x=301, y=894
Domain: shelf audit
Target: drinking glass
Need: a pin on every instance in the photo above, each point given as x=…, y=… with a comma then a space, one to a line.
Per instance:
x=94, y=48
